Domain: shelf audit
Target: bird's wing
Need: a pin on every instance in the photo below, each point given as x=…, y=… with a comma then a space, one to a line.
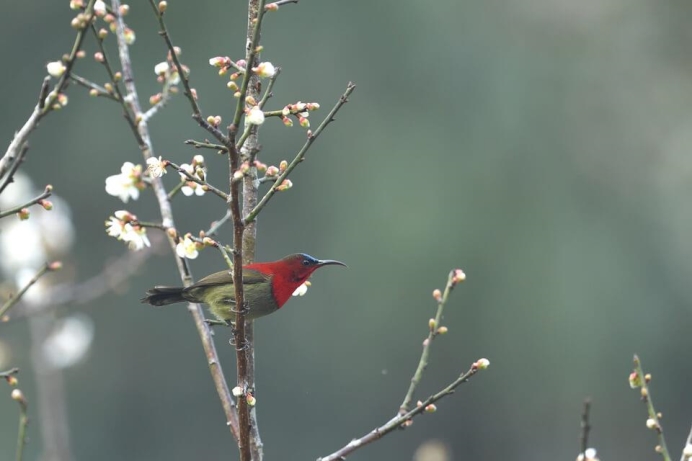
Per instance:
x=250, y=277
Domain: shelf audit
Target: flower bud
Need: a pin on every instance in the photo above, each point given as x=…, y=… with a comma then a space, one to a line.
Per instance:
x=304, y=122
x=458, y=276
x=283, y=165
x=287, y=121
x=647, y=378
x=98, y=56
x=129, y=36
x=103, y=33
x=271, y=7
x=162, y=6
x=442, y=330
x=431, y=408
x=56, y=68
x=437, y=295
x=634, y=380
x=23, y=214
x=432, y=324
x=233, y=86
x=18, y=396
x=287, y=184
x=46, y=204
x=55, y=266
x=651, y=423
x=251, y=400
x=481, y=364
x=124, y=9
x=272, y=171
x=237, y=391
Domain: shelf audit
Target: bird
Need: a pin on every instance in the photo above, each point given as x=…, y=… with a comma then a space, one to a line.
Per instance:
x=266, y=287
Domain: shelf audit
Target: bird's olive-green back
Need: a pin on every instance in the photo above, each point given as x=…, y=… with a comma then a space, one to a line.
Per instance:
x=217, y=291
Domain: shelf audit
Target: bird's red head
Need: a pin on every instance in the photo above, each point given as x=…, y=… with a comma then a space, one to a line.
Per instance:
x=290, y=272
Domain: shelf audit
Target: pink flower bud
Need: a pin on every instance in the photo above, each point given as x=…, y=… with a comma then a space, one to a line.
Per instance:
x=55, y=266
x=98, y=56
x=437, y=295
x=271, y=7
x=46, y=204
x=23, y=214
x=283, y=165
x=287, y=121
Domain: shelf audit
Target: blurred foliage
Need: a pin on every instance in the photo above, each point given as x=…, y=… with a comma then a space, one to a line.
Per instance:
x=542, y=146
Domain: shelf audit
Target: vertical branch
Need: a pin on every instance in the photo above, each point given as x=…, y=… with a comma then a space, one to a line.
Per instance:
x=244, y=238
x=145, y=144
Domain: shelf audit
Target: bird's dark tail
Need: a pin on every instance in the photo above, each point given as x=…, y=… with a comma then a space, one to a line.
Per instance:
x=162, y=296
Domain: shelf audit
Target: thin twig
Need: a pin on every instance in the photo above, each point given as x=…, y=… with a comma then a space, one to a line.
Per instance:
x=14, y=166
x=653, y=415
x=585, y=428
x=23, y=422
x=199, y=181
x=284, y=2
x=299, y=156
x=144, y=140
x=433, y=332
x=13, y=300
x=10, y=372
x=100, y=91
x=400, y=420
x=206, y=145
x=44, y=195
x=216, y=225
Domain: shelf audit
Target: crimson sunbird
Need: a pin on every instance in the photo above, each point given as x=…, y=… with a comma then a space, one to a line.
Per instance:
x=266, y=287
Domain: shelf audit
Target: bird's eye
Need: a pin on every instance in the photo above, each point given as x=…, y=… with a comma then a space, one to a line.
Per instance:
x=306, y=262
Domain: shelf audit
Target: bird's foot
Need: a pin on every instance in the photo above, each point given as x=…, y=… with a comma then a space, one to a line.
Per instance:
x=244, y=345
x=244, y=310
x=216, y=323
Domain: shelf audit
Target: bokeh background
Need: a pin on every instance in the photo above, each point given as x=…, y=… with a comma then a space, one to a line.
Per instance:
x=541, y=145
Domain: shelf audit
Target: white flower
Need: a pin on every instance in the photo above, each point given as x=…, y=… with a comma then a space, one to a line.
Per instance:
x=265, y=70
x=115, y=227
x=156, y=167
x=56, y=68
x=69, y=341
x=190, y=187
x=135, y=237
x=125, y=185
x=120, y=227
x=301, y=290
x=161, y=68
x=187, y=248
x=100, y=8
x=255, y=116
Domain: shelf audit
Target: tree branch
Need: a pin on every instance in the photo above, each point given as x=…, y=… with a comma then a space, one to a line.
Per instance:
x=44, y=195
x=401, y=421
x=585, y=428
x=252, y=215
x=144, y=141
x=654, y=421
x=48, y=267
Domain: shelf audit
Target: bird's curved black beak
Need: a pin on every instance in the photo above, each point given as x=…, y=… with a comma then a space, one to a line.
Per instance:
x=328, y=262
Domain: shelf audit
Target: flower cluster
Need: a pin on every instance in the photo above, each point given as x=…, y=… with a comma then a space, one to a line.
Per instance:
x=123, y=226
x=300, y=110
x=198, y=169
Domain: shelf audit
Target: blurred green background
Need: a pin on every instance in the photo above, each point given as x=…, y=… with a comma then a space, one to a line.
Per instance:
x=543, y=146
